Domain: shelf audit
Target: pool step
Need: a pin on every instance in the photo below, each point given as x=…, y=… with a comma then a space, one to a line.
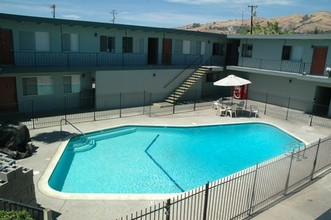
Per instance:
x=106, y=134
x=82, y=145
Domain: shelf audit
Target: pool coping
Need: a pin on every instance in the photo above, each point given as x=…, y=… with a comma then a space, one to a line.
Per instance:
x=47, y=190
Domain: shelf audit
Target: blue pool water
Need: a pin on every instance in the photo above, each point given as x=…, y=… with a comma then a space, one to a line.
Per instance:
x=148, y=159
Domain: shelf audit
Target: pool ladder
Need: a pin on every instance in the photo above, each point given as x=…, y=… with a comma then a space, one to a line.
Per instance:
x=65, y=120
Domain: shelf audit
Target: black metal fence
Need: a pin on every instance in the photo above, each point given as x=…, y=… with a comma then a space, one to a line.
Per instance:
x=36, y=213
x=277, y=65
x=100, y=59
x=40, y=113
x=245, y=193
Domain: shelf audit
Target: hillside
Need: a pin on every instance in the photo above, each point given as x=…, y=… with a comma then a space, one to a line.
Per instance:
x=297, y=23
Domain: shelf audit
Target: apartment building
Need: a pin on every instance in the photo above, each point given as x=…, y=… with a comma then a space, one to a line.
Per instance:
x=44, y=59
x=293, y=66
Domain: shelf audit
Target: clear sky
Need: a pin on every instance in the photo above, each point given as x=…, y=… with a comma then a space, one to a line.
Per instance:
x=161, y=13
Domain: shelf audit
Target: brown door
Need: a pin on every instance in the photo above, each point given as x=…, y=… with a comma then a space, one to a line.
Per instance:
x=6, y=47
x=319, y=59
x=8, y=100
x=166, y=52
x=152, y=50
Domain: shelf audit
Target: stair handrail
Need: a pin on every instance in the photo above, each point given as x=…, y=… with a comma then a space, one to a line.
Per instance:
x=188, y=66
x=64, y=119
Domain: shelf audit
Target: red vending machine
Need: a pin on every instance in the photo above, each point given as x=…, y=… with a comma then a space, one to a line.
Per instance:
x=240, y=92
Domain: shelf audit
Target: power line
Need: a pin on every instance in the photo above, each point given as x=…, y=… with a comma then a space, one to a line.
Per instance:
x=253, y=14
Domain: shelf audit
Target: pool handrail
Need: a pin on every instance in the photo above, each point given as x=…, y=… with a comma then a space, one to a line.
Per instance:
x=66, y=120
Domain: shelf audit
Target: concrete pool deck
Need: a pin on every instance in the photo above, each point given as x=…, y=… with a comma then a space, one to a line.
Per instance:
x=309, y=203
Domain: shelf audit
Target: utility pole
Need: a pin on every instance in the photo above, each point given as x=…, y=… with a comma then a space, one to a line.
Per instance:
x=253, y=13
x=53, y=10
x=113, y=13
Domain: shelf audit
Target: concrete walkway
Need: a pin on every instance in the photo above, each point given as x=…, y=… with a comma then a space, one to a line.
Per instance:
x=310, y=203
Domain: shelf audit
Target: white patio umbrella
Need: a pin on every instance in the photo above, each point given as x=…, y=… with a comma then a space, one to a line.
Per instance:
x=232, y=80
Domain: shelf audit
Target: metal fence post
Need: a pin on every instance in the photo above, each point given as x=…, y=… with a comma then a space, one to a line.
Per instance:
x=32, y=111
x=289, y=174
x=150, y=105
x=144, y=102
x=205, y=207
x=253, y=191
x=311, y=120
x=266, y=102
x=94, y=113
x=173, y=107
x=195, y=99
x=120, y=105
x=315, y=161
x=312, y=113
x=167, y=207
x=288, y=107
x=65, y=107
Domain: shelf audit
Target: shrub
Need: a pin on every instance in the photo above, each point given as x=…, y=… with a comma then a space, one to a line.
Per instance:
x=15, y=215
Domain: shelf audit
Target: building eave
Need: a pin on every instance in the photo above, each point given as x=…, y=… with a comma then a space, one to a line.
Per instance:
x=310, y=78
x=57, y=21
x=283, y=37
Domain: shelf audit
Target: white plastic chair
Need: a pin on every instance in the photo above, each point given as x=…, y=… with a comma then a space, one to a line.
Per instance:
x=241, y=106
x=216, y=103
x=254, y=110
x=221, y=110
x=232, y=110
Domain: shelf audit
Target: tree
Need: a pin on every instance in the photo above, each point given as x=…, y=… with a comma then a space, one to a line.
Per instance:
x=272, y=28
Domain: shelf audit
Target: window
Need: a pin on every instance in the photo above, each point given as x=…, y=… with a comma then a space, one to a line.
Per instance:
x=201, y=47
x=286, y=54
x=218, y=49
x=30, y=86
x=127, y=44
x=70, y=42
x=247, y=50
x=71, y=84
x=26, y=40
x=186, y=47
x=178, y=47
x=107, y=44
x=292, y=53
x=41, y=85
x=138, y=45
x=39, y=41
x=296, y=54
x=42, y=40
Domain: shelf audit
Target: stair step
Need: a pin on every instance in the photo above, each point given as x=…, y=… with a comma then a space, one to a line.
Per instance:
x=198, y=74
x=201, y=71
x=187, y=84
x=180, y=90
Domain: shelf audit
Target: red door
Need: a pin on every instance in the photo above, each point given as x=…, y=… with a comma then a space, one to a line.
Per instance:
x=8, y=101
x=6, y=47
x=166, y=52
x=319, y=59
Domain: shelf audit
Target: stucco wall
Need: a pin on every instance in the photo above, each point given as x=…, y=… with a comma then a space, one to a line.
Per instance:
x=129, y=81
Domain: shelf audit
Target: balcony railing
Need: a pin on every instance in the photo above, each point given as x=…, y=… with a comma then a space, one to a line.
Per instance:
x=73, y=59
x=276, y=65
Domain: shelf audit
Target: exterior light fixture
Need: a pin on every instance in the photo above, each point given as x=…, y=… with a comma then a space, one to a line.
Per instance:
x=328, y=71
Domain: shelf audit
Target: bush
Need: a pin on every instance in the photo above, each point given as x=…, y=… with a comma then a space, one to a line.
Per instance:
x=15, y=215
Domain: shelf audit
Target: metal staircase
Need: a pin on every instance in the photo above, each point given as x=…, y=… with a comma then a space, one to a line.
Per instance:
x=187, y=84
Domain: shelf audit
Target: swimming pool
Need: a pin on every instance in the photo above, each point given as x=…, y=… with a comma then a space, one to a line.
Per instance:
x=163, y=159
